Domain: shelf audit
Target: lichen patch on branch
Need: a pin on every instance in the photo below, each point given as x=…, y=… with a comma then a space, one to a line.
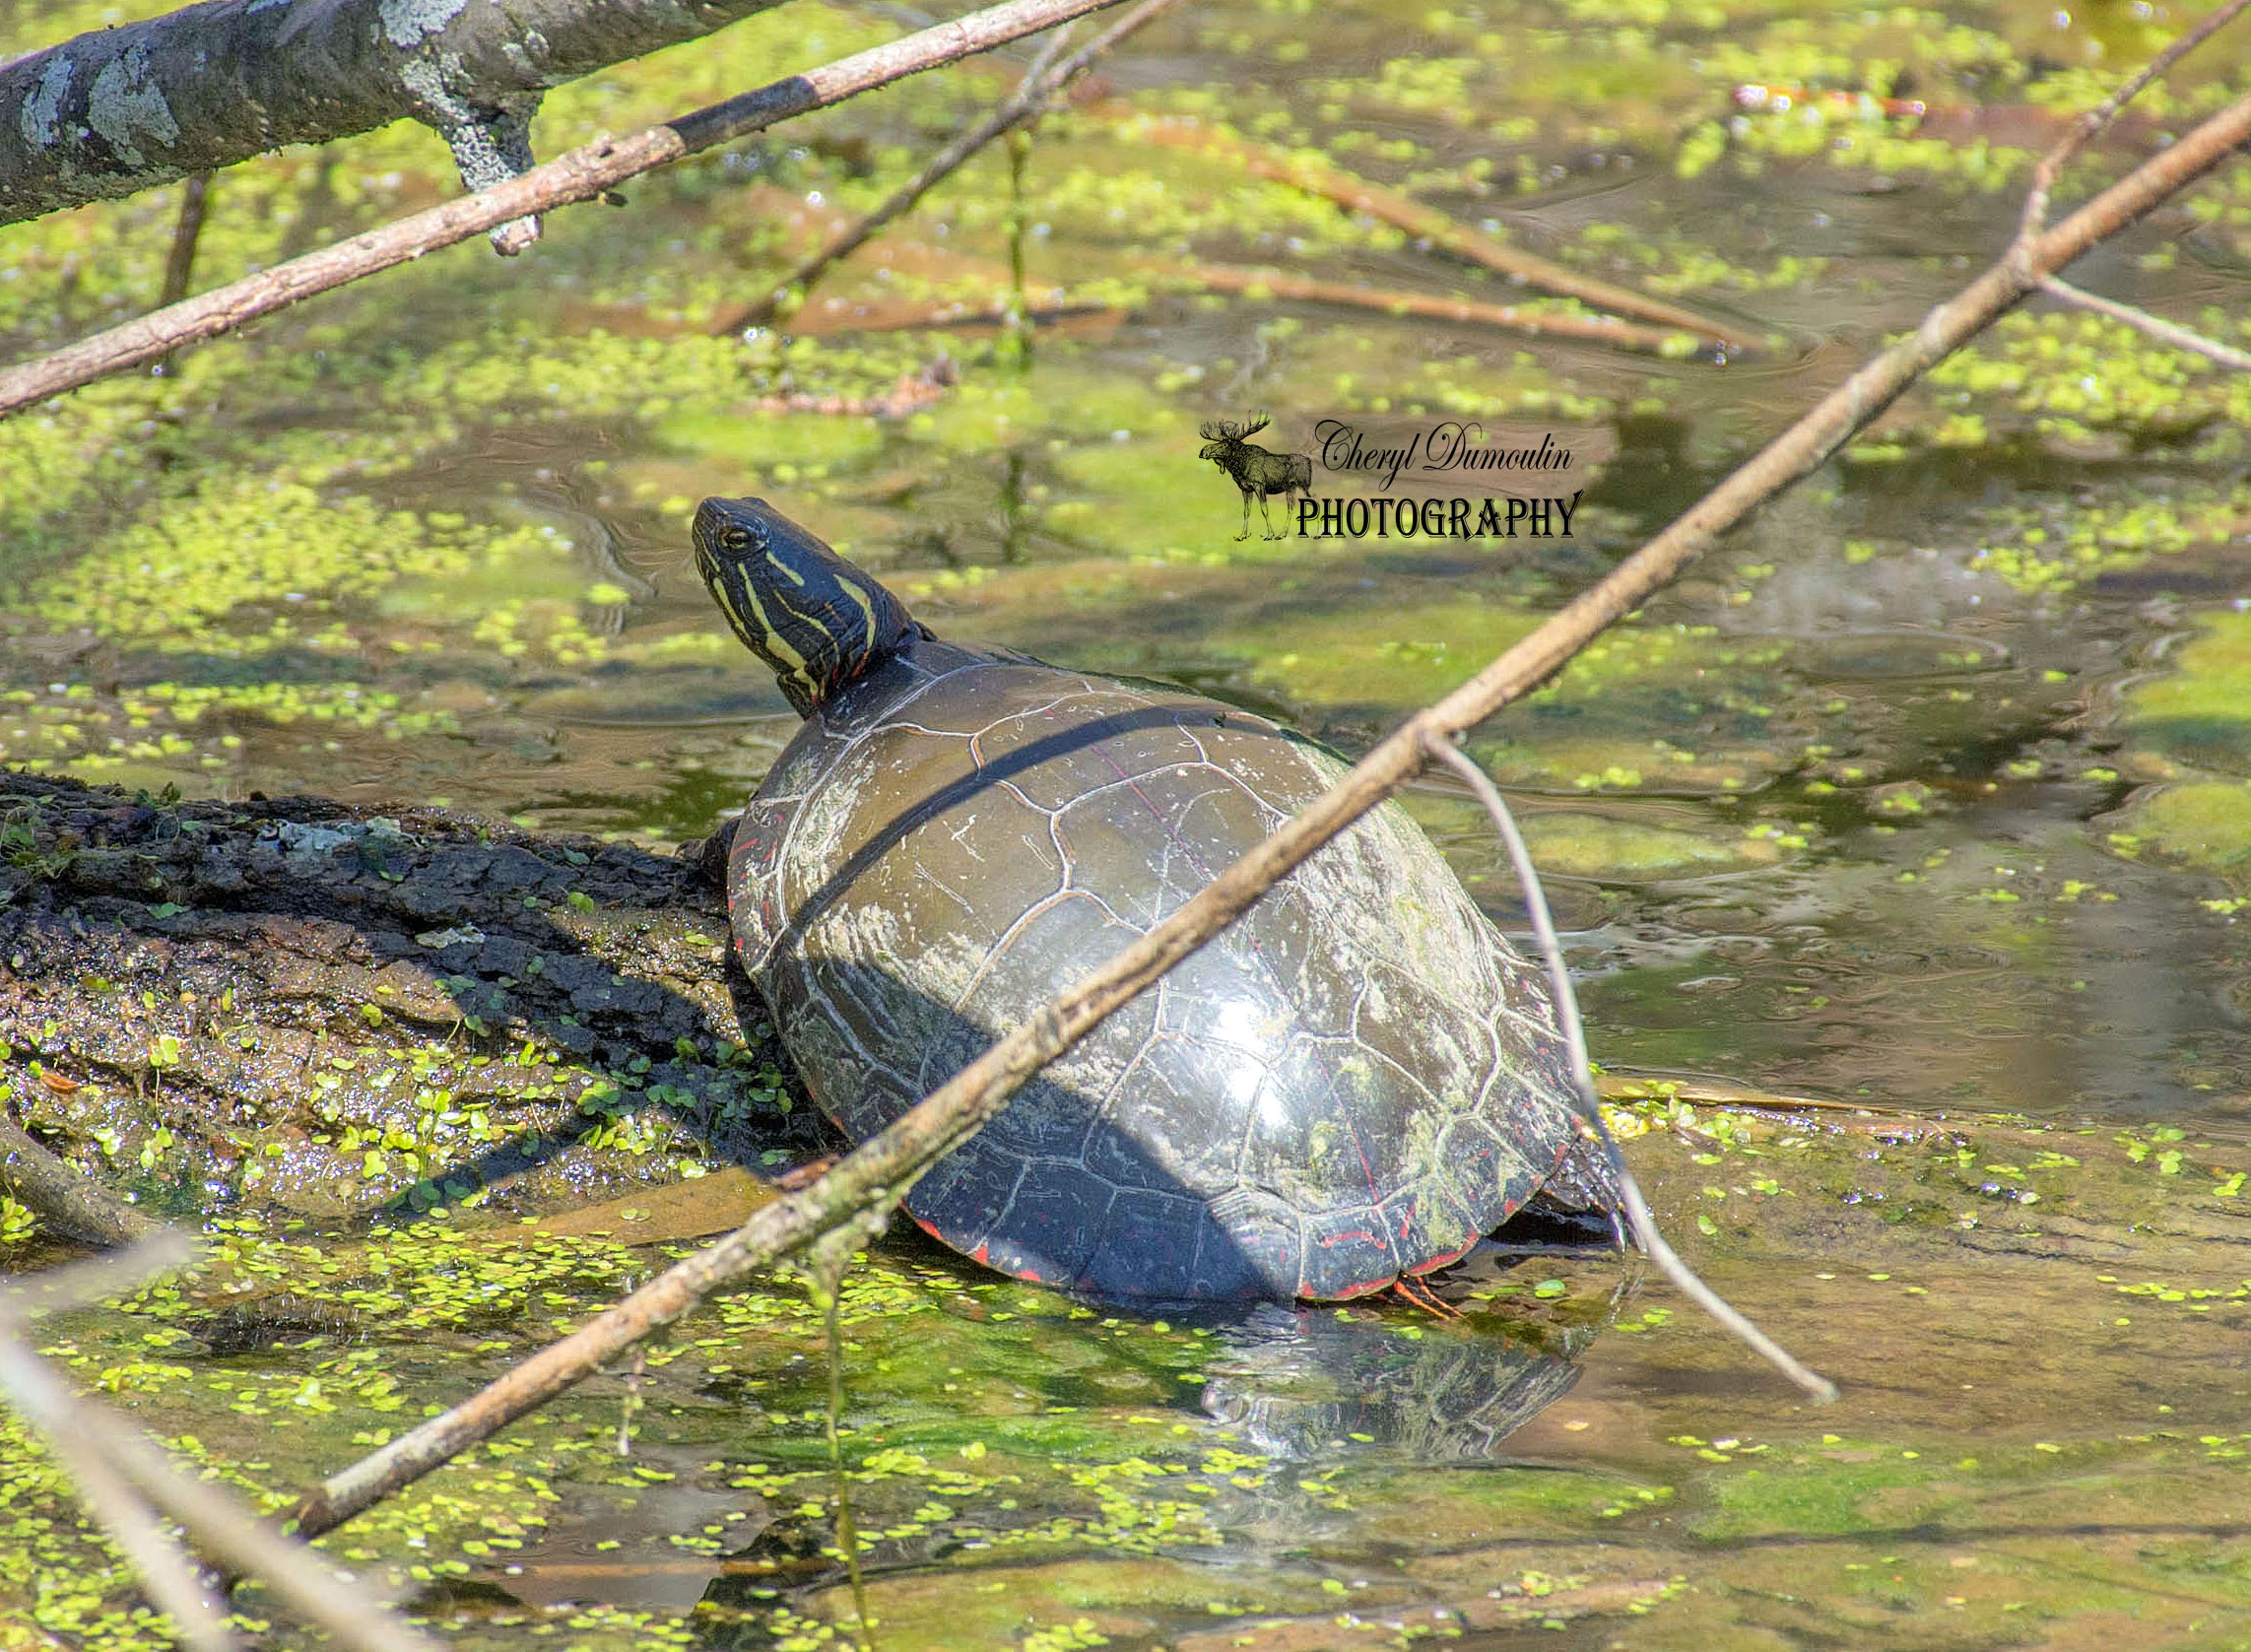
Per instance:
x=41, y=118
x=406, y=21
x=126, y=106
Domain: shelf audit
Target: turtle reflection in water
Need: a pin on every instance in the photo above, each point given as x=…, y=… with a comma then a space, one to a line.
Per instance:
x=1352, y=1085
x=1301, y=1384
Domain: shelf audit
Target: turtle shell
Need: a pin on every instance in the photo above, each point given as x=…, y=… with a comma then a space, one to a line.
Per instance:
x=1355, y=1082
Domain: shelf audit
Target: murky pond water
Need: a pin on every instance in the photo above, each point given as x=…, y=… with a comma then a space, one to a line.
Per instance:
x=1926, y=792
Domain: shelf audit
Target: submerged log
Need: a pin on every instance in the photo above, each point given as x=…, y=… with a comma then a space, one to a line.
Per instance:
x=301, y=1005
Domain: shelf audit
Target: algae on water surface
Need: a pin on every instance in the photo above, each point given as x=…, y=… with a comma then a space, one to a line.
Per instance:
x=1923, y=791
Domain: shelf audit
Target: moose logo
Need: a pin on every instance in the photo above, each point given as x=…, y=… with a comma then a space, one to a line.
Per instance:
x=1255, y=470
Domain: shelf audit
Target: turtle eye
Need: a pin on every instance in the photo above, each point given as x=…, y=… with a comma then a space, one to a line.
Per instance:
x=737, y=539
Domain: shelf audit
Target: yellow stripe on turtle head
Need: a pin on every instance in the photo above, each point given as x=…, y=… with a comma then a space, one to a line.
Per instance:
x=813, y=617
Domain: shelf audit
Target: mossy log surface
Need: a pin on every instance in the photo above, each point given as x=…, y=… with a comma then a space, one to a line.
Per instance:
x=331, y=1011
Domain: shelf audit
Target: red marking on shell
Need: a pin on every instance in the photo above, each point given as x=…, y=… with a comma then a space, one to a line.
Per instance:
x=1370, y=1288
x=1437, y=1262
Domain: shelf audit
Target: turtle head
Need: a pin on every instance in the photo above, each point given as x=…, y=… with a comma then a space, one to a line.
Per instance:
x=816, y=620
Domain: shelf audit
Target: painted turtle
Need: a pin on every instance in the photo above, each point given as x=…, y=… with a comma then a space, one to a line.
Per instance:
x=1355, y=1083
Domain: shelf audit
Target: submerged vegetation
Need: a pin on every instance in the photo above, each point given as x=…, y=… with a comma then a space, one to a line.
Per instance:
x=1927, y=795
x=1023, y=1468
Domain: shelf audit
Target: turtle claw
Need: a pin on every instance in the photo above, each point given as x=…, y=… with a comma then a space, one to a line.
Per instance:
x=1414, y=1290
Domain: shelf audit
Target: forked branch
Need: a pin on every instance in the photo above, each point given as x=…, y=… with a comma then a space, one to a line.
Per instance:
x=583, y=174
x=1042, y=84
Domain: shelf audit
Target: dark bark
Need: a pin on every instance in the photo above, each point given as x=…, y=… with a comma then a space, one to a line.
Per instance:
x=121, y=109
x=69, y=1202
x=215, y=1004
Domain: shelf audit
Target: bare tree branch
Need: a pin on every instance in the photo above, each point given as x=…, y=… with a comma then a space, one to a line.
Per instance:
x=787, y=298
x=218, y=1526
x=2092, y=124
x=580, y=176
x=884, y=1167
x=121, y=109
x=1041, y=83
x=1357, y=195
x=1435, y=307
x=59, y=1289
x=180, y=268
x=165, y=1572
x=2165, y=332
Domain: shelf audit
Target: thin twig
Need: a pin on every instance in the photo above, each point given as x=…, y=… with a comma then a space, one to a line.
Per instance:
x=1270, y=284
x=1042, y=84
x=58, y=1290
x=68, y=1201
x=2092, y=124
x=224, y=1530
x=1637, y=1212
x=826, y=1266
x=167, y=1574
x=180, y=268
x=885, y=1165
x=2164, y=331
x=581, y=175
x=1356, y=194
x=790, y=295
